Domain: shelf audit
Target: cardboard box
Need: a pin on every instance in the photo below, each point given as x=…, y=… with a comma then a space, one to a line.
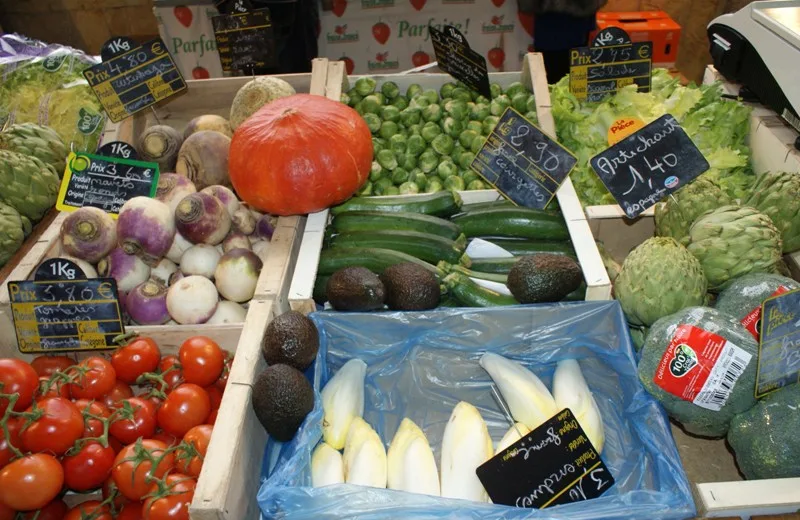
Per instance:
x=642, y=26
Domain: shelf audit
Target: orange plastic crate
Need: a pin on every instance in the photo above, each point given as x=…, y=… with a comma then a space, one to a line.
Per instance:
x=642, y=26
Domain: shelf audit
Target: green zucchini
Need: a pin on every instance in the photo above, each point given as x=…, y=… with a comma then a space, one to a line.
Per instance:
x=475, y=206
x=320, y=293
x=470, y=294
x=399, y=221
x=492, y=277
x=431, y=248
x=440, y=204
x=374, y=259
x=532, y=247
x=499, y=265
x=512, y=222
x=578, y=294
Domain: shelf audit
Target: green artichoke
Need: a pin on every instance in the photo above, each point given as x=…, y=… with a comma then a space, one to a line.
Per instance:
x=677, y=213
x=777, y=195
x=11, y=232
x=39, y=141
x=658, y=278
x=28, y=185
x=732, y=241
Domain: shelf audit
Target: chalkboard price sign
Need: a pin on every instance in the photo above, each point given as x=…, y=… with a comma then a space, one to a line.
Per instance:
x=779, y=350
x=649, y=164
x=522, y=162
x=610, y=64
x=245, y=40
x=105, y=182
x=135, y=80
x=119, y=149
x=455, y=57
x=554, y=464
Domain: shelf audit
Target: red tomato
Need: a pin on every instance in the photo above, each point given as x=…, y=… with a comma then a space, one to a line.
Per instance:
x=55, y=510
x=212, y=417
x=114, y=443
x=88, y=468
x=202, y=360
x=137, y=418
x=133, y=470
x=31, y=482
x=96, y=378
x=46, y=366
x=59, y=425
x=109, y=488
x=17, y=377
x=214, y=396
x=14, y=425
x=172, y=376
x=190, y=461
x=166, y=438
x=174, y=506
x=49, y=388
x=120, y=391
x=222, y=382
x=90, y=510
x=6, y=513
x=185, y=407
x=131, y=511
x=139, y=356
x=92, y=427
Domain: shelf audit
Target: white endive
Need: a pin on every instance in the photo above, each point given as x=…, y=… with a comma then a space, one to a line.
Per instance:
x=342, y=401
x=466, y=444
x=571, y=391
x=364, y=456
x=527, y=397
x=326, y=466
x=412, y=466
x=515, y=433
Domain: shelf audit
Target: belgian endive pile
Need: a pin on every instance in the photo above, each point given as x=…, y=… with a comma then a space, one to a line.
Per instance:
x=409, y=464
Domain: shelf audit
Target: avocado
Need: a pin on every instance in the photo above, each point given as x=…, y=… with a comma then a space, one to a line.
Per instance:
x=410, y=287
x=282, y=397
x=355, y=289
x=292, y=339
x=543, y=278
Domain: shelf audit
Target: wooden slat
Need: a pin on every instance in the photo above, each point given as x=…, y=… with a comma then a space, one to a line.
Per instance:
x=747, y=498
x=249, y=361
x=276, y=274
x=305, y=271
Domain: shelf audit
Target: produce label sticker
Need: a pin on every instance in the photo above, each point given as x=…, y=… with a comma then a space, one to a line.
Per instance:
x=105, y=182
x=135, y=80
x=612, y=62
x=454, y=56
x=649, y=164
x=552, y=465
x=752, y=322
x=779, y=349
x=701, y=367
x=622, y=128
x=245, y=41
x=61, y=311
x=522, y=162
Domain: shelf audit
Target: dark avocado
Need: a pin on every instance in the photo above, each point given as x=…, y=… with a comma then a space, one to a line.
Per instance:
x=544, y=278
x=292, y=339
x=355, y=289
x=410, y=287
x=282, y=397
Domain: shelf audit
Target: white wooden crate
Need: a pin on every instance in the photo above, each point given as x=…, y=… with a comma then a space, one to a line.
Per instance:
x=533, y=77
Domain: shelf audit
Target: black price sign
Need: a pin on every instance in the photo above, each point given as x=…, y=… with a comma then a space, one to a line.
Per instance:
x=135, y=80
x=779, y=350
x=522, y=162
x=649, y=164
x=105, y=182
x=455, y=57
x=554, y=464
x=118, y=149
x=62, y=311
x=611, y=63
x=245, y=41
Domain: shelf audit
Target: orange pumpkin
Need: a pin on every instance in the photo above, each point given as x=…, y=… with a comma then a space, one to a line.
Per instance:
x=300, y=154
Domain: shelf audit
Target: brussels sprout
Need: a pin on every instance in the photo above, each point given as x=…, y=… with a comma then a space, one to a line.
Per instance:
x=477, y=144
x=376, y=171
x=378, y=144
x=418, y=178
x=399, y=176
x=392, y=190
x=433, y=186
x=454, y=183
x=530, y=104
x=379, y=187
x=431, y=94
x=397, y=143
x=457, y=108
x=419, y=102
x=365, y=86
x=413, y=91
x=455, y=155
x=390, y=90
x=430, y=131
x=428, y=161
x=476, y=126
x=445, y=169
x=373, y=122
x=390, y=113
x=462, y=94
x=408, y=161
x=416, y=144
x=532, y=117
x=408, y=188
x=387, y=159
x=495, y=89
x=465, y=160
x=388, y=129
x=488, y=124
x=482, y=100
x=466, y=137
x=520, y=103
x=344, y=98
x=447, y=90
x=365, y=190
x=410, y=116
x=381, y=98
x=414, y=129
x=499, y=105
x=452, y=127
x=354, y=96
x=468, y=176
x=400, y=102
x=477, y=184
x=515, y=88
x=442, y=144
x=371, y=104
x=432, y=112
x=359, y=107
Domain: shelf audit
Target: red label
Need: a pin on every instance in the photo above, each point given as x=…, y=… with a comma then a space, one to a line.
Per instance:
x=688, y=361
x=752, y=322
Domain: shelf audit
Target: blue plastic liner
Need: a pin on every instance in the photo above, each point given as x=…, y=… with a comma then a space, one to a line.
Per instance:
x=420, y=365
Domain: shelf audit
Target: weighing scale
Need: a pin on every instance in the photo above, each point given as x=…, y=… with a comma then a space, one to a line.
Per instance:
x=759, y=48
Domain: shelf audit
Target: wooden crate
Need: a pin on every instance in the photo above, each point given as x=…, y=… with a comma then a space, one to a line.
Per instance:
x=533, y=76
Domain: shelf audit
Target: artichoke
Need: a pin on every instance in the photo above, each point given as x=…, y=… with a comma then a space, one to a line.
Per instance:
x=659, y=278
x=28, y=185
x=732, y=241
x=676, y=215
x=11, y=232
x=777, y=195
x=39, y=141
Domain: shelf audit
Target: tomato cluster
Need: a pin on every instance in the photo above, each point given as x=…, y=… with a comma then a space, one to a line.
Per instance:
x=136, y=425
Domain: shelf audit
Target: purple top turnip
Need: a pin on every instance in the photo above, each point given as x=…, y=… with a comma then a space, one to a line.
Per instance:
x=128, y=270
x=202, y=219
x=146, y=304
x=236, y=275
x=172, y=188
x=89, y=234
